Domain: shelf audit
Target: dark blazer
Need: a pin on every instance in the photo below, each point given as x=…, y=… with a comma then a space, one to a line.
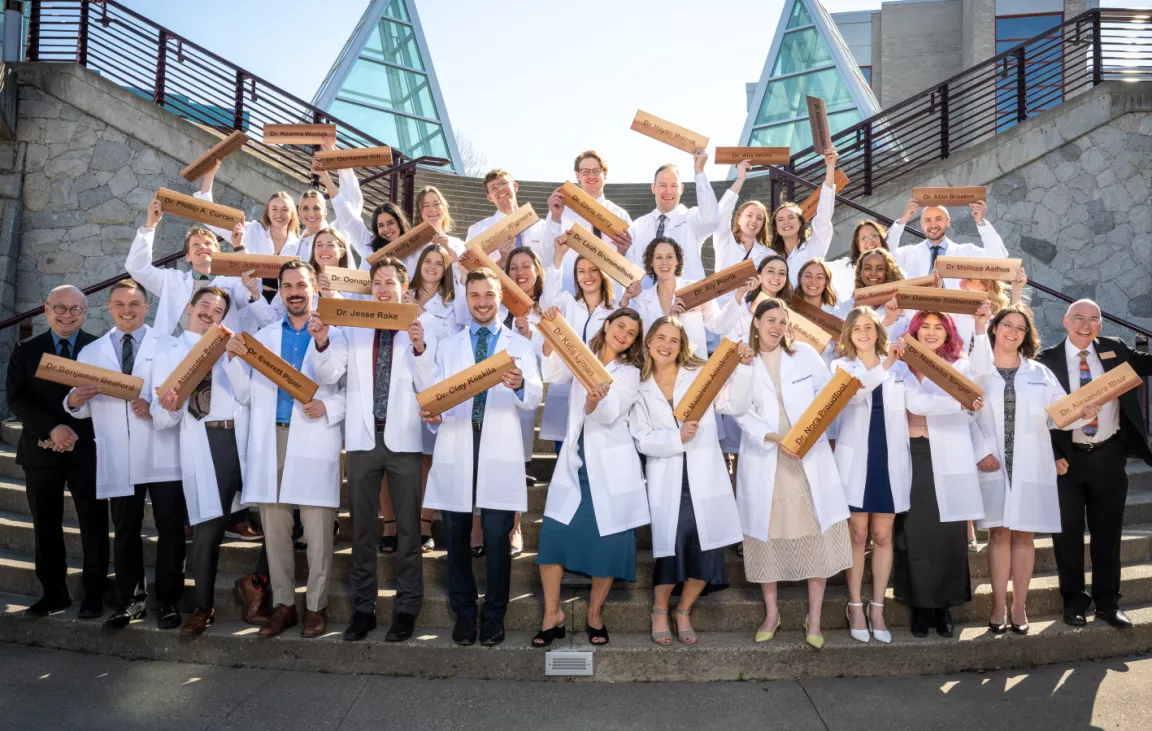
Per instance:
x=39, y=405
x=1132, y=426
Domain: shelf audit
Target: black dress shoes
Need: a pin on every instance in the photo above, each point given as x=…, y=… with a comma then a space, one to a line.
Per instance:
x=1115, y=617
x=124, y=615
x=52, y=602
x=1074, y=617
x=921, y=621
x=169, y=616
x=944, y=624
x=362, y=624
x=464, y=633
x=403, y=624
x=90, y=609
x=492, y=632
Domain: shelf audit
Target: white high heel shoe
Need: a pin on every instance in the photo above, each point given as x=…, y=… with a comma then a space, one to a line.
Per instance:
x=881, y=635
x=860, y=635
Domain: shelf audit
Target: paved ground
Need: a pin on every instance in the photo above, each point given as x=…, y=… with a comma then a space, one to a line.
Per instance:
x=46, y=689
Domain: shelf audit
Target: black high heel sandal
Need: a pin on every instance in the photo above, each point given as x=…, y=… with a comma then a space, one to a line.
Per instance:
x=597, y=634
x=388, y=543
x=544, y=637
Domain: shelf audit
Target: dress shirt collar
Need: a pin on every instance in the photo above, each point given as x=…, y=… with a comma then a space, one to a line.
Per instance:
x=494, y=328
x=71, y=341
x=1072, y=353
x=137, y=334
x=287, y=325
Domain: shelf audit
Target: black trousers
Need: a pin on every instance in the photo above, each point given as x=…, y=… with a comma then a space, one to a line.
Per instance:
x=128, y=515
x=44, y=489
x=496, y=526
x=1095, y=489
x=207, y=536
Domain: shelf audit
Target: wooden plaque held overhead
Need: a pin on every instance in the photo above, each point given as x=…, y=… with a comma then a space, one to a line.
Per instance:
x=818, y=120
x=812, y=202
x=822, y=412
x=664, y=131
x=950, y=196
x=298, y=134
x=277, y=370
x=405, y=246
x=604, y=255
x=939, y=371
x=717, y=285
x=196, y=364
x=515, y=299
x=73, y=373
x=592, y=211
x=1113, y=384
x=466, y=384
x=808, y=332
x=362, y=157
x=266, y=266
x=362, y=313
x=978, y=267
x=708, y=382
x=222, y=149
x=194, y=209
x=934, y=299
x=583, y=363
x=515, y=223
x=353, y=281
x=878, y=294
x=759, y=156
x=826, y=321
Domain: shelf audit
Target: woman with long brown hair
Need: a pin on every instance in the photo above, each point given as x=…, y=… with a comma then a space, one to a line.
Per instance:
x=745, y=234
x=793, y=237
x=866, y=236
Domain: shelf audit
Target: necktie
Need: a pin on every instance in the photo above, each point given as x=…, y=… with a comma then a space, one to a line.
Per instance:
x=1086, y=377
x=596, y=232
x=935, y=253
x=200, y=401
x=660, y=226
x=519, y=240
x=383, y=375
x=510, y=320
x=65, y=349
x=480, y=399
x=127, y=354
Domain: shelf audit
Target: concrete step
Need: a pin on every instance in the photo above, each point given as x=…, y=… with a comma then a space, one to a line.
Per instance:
x=629, y=656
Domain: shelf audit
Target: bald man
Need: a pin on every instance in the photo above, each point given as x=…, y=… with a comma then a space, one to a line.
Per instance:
x=919, y=259
x=1092, y=482
x=57, y=452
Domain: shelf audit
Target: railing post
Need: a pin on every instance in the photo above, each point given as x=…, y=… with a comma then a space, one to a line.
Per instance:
x=790, y=184
x=1142, y=393
x=945, y=143
x=161, y=68
x=32, y=52
x=318, y=118
x=409, y=176
x=1097, y=51
x=82, y=38
x=1021, y=87
x=868, y=159
x=238, y=108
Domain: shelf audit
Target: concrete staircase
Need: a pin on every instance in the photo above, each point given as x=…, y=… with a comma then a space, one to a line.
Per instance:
x=726, y=620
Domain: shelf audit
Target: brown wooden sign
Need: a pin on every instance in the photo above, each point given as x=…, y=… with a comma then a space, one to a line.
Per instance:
x=822, y=412
x=196, y=364
x=1113, y=384
x=73, y=373
x=818, y=121
x=299, y=134
x=194, y=209
x=467, y=383
x=222, y=149
x=583, y=363
x=949, y=196
x=879, y=294
x=515, y=299
x=604, y=255
x=978, y=267
x=515, y=223
x=708, y=382
x=353, y=281
x=807, y=331
x=664, y=131
x=277, y=370
x=756, y=302
x=717, y=285
x=826, y=321
x=361, y=157
x=592, y=211
x=266, y=266
x=405, y=246
x=759, y=156
x=812, y=202
x=934, y=299
x=939, y=371
x=363, y=313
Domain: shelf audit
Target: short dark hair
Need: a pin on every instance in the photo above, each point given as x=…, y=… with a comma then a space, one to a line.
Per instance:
x=222, y=294
x=297, y=264
x=128, y=284
x=390, y=261
x=650, y=252
x=481, y=273
x=496, y=174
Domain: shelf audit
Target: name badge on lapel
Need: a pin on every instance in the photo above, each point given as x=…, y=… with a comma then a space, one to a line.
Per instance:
x=801, y=380
x=1107, y=356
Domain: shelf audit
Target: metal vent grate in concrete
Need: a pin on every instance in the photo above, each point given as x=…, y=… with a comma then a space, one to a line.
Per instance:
x=568, y=662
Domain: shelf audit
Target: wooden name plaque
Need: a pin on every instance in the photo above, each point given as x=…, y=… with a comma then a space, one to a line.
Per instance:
x=515, y=223
x=407, y=245
x=939, y=371
x=708, y=382
x=949, y=196
x=824, y=409
x=352, y=281
x=1113, y=384
x=759, y=156
x=818, y=121
x=978, y=267
x=515, y=299
x=196, y=364
x=592, y=211
x=812, y=202
x=664, y=131
x=934, y=299
x=266, y=266
x=467, y=383
x=604, y=255
x=583, y=363
x=807, y=331
x=826, y=321
x=299, y=134
x=73, y=373
x=277, y=370
x=719, y=284
x=879, y=294
x=194, y=209
x=362, y=313
x=363, y=157
x=222, y=149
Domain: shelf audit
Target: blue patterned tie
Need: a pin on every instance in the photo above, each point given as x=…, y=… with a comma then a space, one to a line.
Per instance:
x=519, y=241
x=480, y=399
x=383, y=375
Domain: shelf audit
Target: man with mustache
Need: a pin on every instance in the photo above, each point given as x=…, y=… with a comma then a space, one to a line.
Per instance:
x=920, y=259
x=134, y=460
x=500, y=189
x=688, y=227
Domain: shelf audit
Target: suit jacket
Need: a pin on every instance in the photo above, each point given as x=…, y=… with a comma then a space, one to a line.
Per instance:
x=39, y=405
x=1132, y=427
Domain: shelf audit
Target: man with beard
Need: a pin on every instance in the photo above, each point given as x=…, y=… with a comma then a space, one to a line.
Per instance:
x=920, y=259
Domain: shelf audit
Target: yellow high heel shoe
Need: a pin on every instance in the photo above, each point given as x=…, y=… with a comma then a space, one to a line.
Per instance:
x=817, y=642
x=765, y=636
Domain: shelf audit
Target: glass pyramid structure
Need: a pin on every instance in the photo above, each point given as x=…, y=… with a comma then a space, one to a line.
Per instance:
x=808, y=57
x=383, y=83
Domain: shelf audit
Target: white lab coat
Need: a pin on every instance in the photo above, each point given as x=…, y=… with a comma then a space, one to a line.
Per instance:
x=843, y=278
x=696, y=321
x=312, y=462
x=257, y=239
x=915, y=260
x=129, y=450
x=689, y=227
x=656, y=431
x=729, y=251
x=500, y=482
x=201, y=492
x=567, y=218
x=820, y=240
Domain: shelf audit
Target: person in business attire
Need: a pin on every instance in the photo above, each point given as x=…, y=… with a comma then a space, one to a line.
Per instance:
x=134, y=461
x=918, y=260
x=500, y=188
x=689, y=227
x=1091, y=479
x=741, y=233
x=475, y=464
x=57, y=452
x=382, y=439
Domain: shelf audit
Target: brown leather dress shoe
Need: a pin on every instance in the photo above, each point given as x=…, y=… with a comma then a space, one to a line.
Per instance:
x=199, y=622
x=283, y=617
x=315, y=623
x=252, y=600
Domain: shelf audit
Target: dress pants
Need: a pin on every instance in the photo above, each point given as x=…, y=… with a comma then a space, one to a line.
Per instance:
x=1095, y=487
x=128, y=516
x=496, y=526
x=44, y=489
x=207, y=536
x=366, y=470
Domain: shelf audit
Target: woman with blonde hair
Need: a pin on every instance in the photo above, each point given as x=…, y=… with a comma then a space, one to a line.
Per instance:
x=745, y=234
x=792, y=237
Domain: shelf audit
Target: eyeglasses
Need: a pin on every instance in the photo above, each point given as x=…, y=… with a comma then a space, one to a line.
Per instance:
x=869, y=237
x=591, y=172
x=61, y=309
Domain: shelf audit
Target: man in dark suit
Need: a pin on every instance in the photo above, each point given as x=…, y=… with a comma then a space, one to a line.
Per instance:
x=1090, y=463
x=58, y=452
